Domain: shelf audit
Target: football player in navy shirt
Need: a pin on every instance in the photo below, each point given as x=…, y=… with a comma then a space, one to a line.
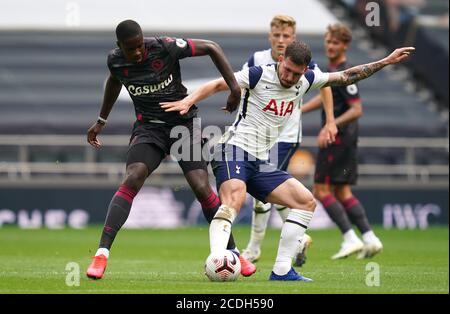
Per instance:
x=336, y=165
x=149, y=69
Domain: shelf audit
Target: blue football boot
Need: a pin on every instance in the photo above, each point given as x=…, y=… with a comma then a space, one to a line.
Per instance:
x=290, y=276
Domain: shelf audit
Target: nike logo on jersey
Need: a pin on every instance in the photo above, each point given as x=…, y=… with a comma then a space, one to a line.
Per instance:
x=267, y=87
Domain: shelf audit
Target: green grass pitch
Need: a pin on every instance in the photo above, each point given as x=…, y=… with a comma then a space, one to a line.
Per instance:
x=171, y=262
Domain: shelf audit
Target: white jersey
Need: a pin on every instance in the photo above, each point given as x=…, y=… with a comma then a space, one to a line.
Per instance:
x=293, y=130
x=262, y=57
x=266, y=107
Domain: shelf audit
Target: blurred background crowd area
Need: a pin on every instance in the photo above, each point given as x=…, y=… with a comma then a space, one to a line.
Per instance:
x=53, y=68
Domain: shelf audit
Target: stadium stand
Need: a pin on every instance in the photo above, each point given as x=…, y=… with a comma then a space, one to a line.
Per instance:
x=52, y=84
x=419, y=23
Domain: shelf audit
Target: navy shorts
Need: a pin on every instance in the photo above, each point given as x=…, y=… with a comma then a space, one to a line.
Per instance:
x=261, y=177
x=284, y=151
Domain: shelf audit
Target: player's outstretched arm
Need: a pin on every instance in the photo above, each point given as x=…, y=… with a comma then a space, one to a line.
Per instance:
x=203, y=92
x=206, y=47
x=361, y=72
x=112, y=91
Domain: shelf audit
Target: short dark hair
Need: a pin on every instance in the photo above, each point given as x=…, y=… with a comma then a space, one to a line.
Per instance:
x=298, y=52
x=127, y=29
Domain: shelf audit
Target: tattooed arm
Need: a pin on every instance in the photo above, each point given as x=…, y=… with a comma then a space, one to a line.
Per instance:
x=361, y=72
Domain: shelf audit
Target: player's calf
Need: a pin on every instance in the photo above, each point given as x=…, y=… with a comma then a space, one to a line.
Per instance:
x=260, y=218
x=293, y=194
x=301, y=201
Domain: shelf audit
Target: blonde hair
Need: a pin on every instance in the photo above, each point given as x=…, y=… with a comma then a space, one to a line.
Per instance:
x=283, y=20
x=340, y=31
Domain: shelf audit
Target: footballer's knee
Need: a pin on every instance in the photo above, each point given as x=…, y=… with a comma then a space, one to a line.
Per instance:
x=202, y=189
x=307, y=202
x=135, y=176
x=310, y=204
x=198, y=180
x=233, y=193
x=343, y=193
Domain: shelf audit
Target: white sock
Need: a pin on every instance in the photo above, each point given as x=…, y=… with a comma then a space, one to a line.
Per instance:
x=369, y=236
x=291, y=234
x=220, y=228
x=283, y=211
x=102, y=251
x=260, y=218
x=350, y=236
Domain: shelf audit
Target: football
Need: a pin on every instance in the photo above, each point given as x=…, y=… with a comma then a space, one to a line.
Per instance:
x=222, y=266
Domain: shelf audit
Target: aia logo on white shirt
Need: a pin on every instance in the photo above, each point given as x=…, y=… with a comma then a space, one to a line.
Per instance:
x=279, y=109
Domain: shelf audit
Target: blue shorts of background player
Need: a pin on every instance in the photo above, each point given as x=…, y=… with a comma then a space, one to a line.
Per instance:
x=260, y=176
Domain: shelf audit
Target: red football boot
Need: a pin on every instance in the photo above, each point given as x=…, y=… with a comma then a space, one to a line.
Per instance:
x=97, y=267
x=247, y=267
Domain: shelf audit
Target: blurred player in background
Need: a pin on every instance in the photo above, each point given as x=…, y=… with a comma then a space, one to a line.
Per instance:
x=241, y=162
x=336, y=166
x=282, y=33
x=149, y=69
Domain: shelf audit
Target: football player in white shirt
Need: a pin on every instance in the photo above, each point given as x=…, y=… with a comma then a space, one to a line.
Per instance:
x=240, y=161
x=282, y=33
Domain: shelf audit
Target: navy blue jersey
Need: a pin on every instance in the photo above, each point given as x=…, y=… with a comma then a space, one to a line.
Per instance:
x=156, y=79
x=343, y=97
